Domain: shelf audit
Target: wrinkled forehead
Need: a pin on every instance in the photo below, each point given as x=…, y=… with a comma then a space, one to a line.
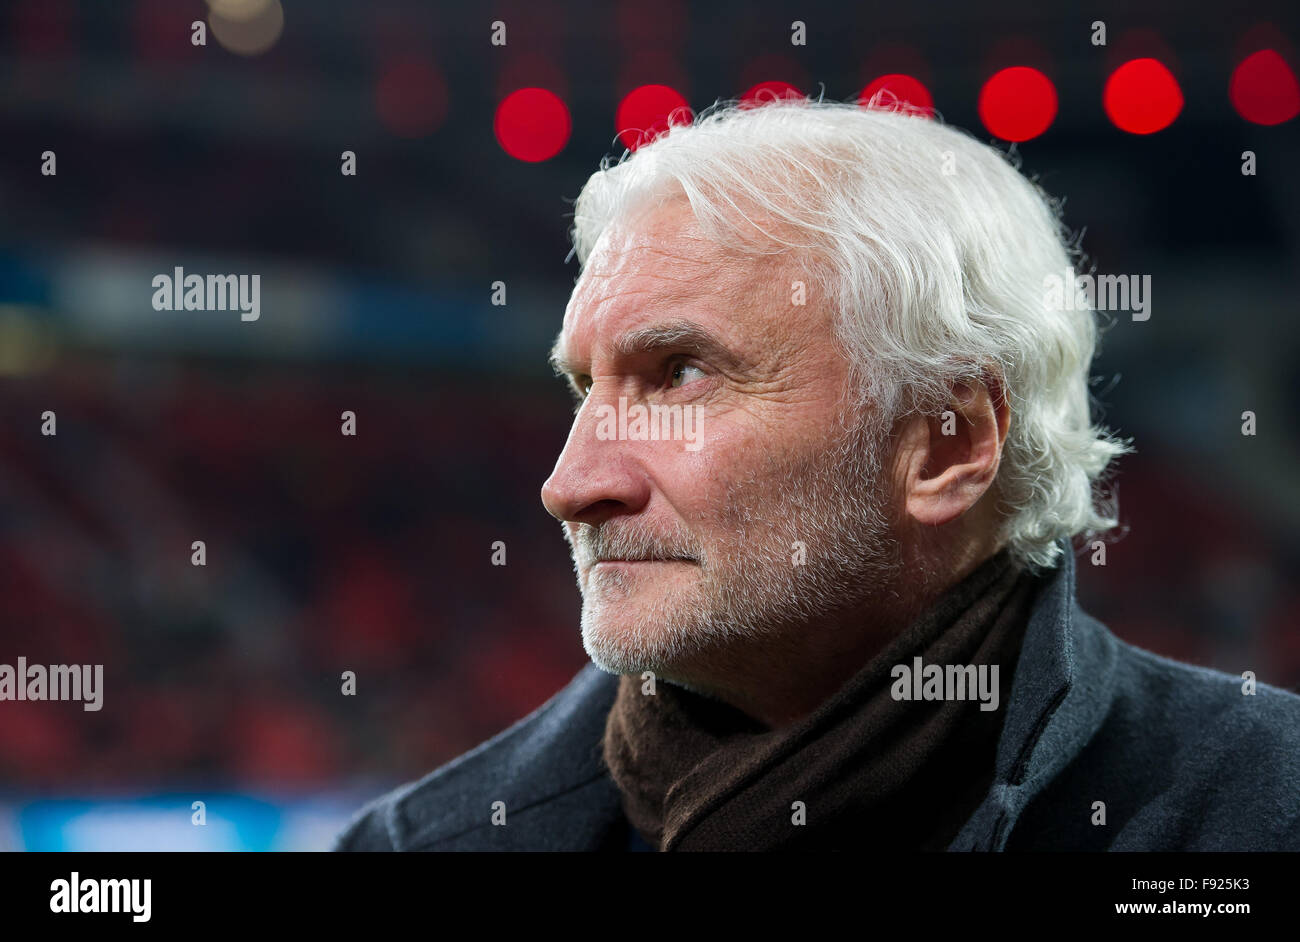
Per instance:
x=660, y=263
x=658, y=249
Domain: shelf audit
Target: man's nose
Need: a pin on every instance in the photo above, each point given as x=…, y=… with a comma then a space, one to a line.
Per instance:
x=594, y=479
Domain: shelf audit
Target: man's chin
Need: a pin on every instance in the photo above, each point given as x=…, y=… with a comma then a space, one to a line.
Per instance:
x=628, y=637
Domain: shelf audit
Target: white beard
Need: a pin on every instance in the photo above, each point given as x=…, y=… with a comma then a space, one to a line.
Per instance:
x=749, y=587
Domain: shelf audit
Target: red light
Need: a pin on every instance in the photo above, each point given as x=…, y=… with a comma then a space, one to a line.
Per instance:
x=648, y=111
x=1264, y=90
x=411, y=97
x=650, y=67
x=1018, y=103
x=531, y=70
x=532, y=124
x=899, y=87
x=1142, y=97
x=767, y=92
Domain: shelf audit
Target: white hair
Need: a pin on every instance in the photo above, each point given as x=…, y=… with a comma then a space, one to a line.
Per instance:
x=935, y=252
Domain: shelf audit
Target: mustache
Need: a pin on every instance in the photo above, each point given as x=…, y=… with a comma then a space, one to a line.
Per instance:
x=593, y=543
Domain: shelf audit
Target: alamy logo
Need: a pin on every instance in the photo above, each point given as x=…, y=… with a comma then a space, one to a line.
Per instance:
x=641, y=423
x=1068, y=292
x=76, y=895
x=181, y=292
x=946, y=682
x=57, y=682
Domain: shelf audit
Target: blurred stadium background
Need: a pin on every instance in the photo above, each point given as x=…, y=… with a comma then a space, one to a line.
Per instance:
x=371, y=554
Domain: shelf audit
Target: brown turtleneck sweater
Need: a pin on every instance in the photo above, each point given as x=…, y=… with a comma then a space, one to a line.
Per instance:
x=871, y=771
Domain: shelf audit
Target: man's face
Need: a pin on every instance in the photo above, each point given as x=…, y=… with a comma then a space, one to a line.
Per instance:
x=776, y=517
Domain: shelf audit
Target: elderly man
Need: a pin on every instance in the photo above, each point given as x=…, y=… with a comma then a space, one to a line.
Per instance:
x=828, y=585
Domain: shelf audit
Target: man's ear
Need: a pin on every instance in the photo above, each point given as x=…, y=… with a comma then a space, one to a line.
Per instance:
x=947, y=462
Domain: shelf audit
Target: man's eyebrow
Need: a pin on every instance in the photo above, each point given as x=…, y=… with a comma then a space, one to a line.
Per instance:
x=681, y=334
x=559, y=362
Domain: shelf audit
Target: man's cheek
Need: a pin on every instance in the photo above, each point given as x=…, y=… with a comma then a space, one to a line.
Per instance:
x=729, y=447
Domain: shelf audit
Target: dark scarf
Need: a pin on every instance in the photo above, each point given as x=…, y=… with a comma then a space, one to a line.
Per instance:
x=872, y=772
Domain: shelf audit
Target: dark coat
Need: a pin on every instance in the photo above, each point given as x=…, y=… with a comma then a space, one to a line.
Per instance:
x=1181, y=757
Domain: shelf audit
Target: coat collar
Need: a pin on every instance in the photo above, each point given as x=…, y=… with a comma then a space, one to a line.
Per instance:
x=1062, y=690
x=549, y=766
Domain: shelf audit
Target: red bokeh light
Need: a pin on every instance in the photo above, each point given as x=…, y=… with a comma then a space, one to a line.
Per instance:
x=647, y=111
x=1263, y=89
x=899, y=87
x=531, y=70
x=1018, y=103
x=1142, y=97
x=770, y=78
x=1139, y=44
x=651, y=67
x=767, y=92
x=411, y=97
x=532, y=124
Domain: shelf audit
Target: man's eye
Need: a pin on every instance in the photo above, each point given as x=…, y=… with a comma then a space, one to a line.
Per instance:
x=683, y=373
x=584, y=385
